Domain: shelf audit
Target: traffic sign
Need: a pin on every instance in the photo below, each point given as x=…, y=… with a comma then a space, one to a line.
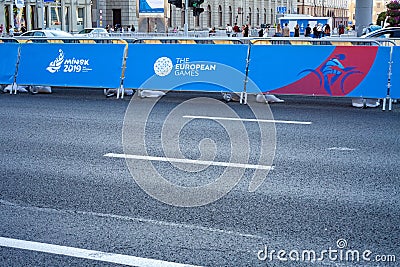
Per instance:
x=281, y=9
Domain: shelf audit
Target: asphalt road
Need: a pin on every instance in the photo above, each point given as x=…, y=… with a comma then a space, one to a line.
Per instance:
x=334, y=186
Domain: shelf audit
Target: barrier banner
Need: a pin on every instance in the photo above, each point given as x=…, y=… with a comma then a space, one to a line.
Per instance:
x=186, y=67
x=356, y=71
x=8, y=59
x=395, y=78
x=71, y=65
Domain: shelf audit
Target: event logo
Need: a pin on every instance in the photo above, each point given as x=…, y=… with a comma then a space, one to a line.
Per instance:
x=183, y=67
x=332, y=71
x=68, y=65
x=163, y=66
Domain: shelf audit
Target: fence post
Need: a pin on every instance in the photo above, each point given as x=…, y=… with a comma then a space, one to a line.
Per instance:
x=388, y=97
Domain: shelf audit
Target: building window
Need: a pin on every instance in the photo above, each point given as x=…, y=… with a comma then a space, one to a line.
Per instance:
x=183, y=16
x=170, y=18
x=249, y=17
x=219, y=16
x=209, y=16
x=197, y=21
x=230, y=16
x=80, y=15
x=258, y=16
x=272, y=16
x=55, y=17
x=265, y=16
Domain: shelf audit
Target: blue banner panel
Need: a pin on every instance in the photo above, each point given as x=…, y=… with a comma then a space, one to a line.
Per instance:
x=71, y=65
x=320, y=70
x=395, y=78
x=8, y=62
x=186, y=67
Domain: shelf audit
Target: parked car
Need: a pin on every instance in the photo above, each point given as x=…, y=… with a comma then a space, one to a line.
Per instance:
x=46, y=33
x=386, y=36
x=92, y=32
x=389, y=32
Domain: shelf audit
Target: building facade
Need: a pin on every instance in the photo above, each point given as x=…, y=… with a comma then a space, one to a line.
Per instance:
x=67, y=15
x=379, y=6
x=73, y=15
x=337, y=9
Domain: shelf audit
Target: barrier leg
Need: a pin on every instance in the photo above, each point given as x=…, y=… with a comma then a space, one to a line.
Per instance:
x=245, y=98
x=390, y=104
x=118, y=92
x=14, y=88
x=241, y=98
x=384, y=104
x=122, y=92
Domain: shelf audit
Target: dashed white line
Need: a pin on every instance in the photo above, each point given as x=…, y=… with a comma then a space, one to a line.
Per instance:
x=248, y=120
x=190, y=161
x=87, y=254
x=341, y=148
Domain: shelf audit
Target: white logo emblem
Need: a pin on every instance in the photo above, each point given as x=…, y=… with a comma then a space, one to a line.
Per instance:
x=55, y=65
x=163, y=66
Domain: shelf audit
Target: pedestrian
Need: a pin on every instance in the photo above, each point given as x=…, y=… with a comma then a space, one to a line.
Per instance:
x=236, y=30
x=286, y=31
x=297, y=30
x=308, y=31
x=278, y=32
x=1, y=30
x=212, y=32
x=261, y=32
x=315, y=32
x=11, y=31
x=319, y=30
x=327, y=30
x=246, y=31
x=228, y=30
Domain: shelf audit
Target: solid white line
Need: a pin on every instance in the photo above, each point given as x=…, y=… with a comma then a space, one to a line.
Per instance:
x=87, y=254
x=190, y=161
x=247, y=120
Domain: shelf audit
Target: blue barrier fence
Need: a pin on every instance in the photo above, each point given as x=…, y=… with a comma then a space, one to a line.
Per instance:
x=197, y=67
x=350, y=71
x=73, y=65
x=395, y=77
x=8, y=58
x=353, y=71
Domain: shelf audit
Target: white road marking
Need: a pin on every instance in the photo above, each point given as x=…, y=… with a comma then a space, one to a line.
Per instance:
x=341, y=148
x=191, y=227
x=190, y=161
x=87, y=254
x=248, y=120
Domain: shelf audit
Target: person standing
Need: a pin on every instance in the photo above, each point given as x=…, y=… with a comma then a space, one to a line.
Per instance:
x=11, y=31
x=278, y=32
x=236, y=30
x=286, y=31
x=246, y=31
x=297, y=31
x=327, y=30
x=319, y=30
x=228, y=30
x=308, y=31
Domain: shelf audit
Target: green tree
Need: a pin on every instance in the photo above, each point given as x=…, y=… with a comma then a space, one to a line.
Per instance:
x=381, y=18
